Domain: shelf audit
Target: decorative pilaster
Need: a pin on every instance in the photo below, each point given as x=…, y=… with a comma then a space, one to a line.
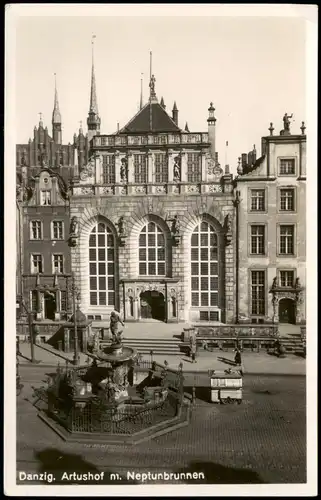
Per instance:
x=150, y=170
x=203, y=167
x=117, y=167
x=183, y=166
x=130, y=166
x=98, y=169
x=58, y=302
x=170, y=164
x=39, y=305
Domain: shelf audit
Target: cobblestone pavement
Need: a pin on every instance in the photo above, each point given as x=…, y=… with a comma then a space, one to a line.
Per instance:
x=263, y=440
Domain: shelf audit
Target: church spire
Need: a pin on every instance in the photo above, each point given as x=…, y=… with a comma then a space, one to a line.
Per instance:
x=93, y=107
x=56, y=118
x=93, y=120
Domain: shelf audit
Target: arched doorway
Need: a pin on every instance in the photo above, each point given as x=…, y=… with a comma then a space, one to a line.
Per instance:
x=152, y=305
x=287, y=311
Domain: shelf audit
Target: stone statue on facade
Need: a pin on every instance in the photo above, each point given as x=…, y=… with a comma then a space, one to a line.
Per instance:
x=175, y=225
x=175, y=229
x=121, y=230
x=124, y=170
x=274, y=283
x=177, y=169
x=228, y=229
x=74, y=226
x=286, y=122
x=73, y=232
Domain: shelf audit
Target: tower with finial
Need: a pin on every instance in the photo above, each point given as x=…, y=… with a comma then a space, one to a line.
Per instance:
x=93, y=120
x=56, y=118
x=175, y=113
x=211, y=121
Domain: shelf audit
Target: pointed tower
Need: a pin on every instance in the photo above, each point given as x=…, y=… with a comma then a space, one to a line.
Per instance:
x=186, y=127
x=56, y=119
x=211, y=130
x=175, y=113
x=93, y=120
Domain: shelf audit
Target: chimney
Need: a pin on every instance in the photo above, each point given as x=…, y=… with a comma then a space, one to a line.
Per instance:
x=244, y=160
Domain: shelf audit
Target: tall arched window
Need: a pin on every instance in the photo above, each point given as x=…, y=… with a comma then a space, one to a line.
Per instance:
x=152, y=251
x=102, y=266
x=204, y=266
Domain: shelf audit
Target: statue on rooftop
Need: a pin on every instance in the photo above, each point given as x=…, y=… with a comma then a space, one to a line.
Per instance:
x=286, y=121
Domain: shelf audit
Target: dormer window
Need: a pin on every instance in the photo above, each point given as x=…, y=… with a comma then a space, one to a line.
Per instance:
x=45, y=197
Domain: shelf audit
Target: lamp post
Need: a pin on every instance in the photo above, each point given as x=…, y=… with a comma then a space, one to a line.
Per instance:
x=75, y=298
x=31, y=332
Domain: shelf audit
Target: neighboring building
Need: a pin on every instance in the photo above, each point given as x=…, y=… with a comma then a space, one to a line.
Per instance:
x=46, y=255
x=153, y=222
x=271, y=230
x=50, y=149
x=45, y=168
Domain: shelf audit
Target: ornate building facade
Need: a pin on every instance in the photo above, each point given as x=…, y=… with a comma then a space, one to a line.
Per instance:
x=44, y=170
x=153, y=221
x=271, y=230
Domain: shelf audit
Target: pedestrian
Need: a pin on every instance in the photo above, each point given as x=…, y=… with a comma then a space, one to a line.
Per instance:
x=193, y=352
x=238, y=357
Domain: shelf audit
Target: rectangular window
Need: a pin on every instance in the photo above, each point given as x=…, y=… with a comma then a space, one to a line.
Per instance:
x=287, y=199
x=140, y=169
x=34, y=300
x=287, y=166
x=286, y=240
x=57, y=264
x=63, y=300
x=257, y=200
x=258, y=240
x=36, y=263
x=287, y=279
x=45, y=197
x=109, y=169
x=194, y=173
x=57, y=230
x=35, y=230
x=161, y=167
x=258, y=293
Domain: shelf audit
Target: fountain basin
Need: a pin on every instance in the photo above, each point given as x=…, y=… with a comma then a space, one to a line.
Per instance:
x=116, y=353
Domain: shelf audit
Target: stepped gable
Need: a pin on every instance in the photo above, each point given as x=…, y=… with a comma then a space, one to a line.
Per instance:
x=152, y=118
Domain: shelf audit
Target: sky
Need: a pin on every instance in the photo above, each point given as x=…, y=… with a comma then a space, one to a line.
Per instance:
x=251, y=68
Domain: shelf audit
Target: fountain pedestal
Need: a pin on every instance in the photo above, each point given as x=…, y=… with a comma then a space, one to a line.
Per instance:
x=120, y=358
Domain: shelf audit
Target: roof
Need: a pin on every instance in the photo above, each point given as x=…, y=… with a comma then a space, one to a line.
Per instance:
x=151, y=118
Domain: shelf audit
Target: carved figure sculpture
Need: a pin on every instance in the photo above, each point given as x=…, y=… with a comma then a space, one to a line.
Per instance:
x=286, y=121
x=74, y=226
x=177, y=169
x=121, y=226
x=123, y=170
x=114, y=327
